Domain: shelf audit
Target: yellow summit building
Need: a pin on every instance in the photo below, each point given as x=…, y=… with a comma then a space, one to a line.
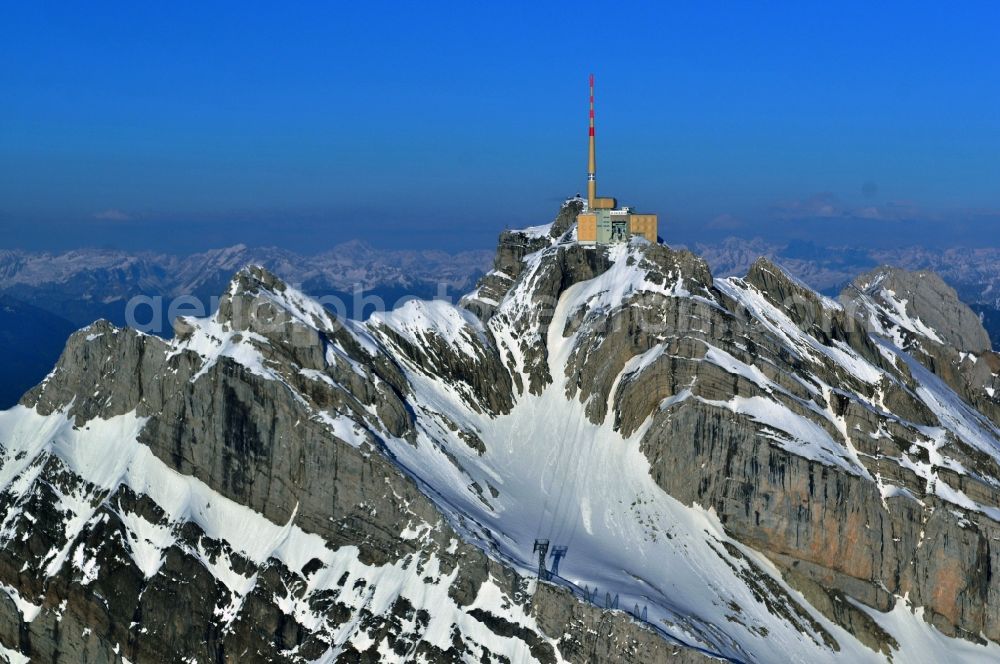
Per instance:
x=602, y=221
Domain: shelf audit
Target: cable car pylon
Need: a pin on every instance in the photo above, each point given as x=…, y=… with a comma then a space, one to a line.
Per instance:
x=542, y=549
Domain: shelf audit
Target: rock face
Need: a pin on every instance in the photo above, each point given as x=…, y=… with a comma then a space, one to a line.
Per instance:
x=262, y=411
x=778, y=355
x=509, y=263
x=924, y=296
x=739, y=468
x=924, y=317
x=921, y=304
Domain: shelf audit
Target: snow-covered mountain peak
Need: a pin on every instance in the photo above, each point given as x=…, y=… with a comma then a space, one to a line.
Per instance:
x=258, y=298
x=735, y=462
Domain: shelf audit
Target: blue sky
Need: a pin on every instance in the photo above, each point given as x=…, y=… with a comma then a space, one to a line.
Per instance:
x=185, y=125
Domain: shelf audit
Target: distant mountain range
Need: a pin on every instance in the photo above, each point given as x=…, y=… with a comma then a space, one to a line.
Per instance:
x=46, y=295
x=86, y=284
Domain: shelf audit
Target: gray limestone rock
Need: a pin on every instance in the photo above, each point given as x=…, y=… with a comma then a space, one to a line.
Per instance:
x=924, y=296
x=854, y=504
x=257, y=437
x=924, y=316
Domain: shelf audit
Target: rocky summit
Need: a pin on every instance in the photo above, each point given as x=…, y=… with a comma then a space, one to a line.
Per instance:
x=740, y=469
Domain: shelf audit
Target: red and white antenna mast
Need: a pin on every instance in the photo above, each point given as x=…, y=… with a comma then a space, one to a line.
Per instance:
x=592, y=164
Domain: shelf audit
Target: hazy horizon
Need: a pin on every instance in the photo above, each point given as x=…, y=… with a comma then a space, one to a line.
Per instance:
x=897, y=235
x=184, y=128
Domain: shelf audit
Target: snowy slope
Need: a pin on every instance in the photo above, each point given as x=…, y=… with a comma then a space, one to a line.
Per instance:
x=247, y=536
x=562, y=478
